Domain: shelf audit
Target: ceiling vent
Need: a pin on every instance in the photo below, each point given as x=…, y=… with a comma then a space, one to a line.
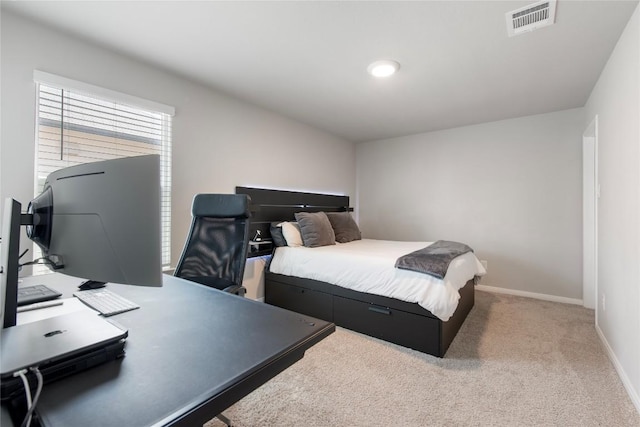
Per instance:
x=531, y=17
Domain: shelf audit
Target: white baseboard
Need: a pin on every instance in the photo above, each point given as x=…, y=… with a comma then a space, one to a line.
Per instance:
x=544, y=297
x=633, y=394
x=261, y=299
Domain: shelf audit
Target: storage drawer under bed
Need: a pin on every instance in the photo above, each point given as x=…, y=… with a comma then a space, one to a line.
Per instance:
x=304, y=301
x=397, y=326
x=411, y=330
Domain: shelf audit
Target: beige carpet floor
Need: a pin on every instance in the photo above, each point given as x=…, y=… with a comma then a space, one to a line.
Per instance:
x=515, y=362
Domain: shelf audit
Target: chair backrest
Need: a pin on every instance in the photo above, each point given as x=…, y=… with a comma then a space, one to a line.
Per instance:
x=215, y=252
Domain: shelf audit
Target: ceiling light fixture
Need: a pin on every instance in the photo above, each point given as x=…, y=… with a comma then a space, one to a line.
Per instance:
x=383, y=68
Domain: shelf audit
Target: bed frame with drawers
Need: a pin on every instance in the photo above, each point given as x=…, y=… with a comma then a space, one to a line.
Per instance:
x=403, y=323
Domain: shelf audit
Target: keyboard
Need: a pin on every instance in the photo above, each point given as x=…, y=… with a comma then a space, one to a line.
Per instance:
x=36, y=293
x=105, y=301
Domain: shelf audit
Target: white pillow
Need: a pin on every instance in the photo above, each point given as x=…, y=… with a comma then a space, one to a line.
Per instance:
x=291, y=233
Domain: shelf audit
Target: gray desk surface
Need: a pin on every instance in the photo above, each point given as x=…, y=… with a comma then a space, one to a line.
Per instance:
x=192, y=352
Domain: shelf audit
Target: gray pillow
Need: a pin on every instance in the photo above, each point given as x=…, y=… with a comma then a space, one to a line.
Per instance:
x=316, y=229
x=344, y=227
x=276, y=234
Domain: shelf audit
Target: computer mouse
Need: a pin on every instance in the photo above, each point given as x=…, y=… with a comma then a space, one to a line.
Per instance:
x=91, y=284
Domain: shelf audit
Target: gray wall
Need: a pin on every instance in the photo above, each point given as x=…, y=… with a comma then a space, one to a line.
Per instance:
x=616, y=101
x=511, y=189
x=218, y=141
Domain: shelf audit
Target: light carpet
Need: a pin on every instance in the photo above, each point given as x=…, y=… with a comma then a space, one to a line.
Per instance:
x=515, y=362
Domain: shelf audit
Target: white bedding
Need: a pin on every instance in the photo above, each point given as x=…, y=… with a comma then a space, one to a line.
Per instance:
x=368, y=266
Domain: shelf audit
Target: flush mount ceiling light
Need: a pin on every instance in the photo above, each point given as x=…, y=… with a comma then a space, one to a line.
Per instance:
x=383, y=68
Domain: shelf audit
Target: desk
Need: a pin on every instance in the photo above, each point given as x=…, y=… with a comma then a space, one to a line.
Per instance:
x=192, y=352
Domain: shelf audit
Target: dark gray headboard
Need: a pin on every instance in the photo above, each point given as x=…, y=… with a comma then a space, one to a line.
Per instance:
x=278, y=205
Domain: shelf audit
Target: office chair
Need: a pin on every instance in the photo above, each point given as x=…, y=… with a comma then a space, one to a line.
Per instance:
x=215, y=252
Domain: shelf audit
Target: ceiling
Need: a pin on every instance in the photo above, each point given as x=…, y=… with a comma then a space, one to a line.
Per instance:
x=308, y=59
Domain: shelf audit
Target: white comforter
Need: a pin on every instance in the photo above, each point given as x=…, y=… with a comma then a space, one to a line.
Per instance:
x=368, y=266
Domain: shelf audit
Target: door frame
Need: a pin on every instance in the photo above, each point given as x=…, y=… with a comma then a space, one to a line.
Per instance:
x=590, y=196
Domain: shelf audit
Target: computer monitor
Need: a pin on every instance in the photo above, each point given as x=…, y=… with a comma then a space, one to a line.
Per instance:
x=98, y=221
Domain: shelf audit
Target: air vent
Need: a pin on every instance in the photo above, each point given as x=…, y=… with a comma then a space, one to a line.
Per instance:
x=531, y=17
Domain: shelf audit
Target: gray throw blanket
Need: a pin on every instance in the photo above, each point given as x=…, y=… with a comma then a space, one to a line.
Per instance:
x=434, y=259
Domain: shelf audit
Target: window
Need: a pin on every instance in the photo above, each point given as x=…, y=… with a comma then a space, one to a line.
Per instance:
x=78, y=123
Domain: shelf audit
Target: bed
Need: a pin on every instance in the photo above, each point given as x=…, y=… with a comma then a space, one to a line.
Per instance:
x=403, y=307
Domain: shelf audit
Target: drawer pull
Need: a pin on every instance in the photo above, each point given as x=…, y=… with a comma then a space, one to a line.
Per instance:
x=380, y=310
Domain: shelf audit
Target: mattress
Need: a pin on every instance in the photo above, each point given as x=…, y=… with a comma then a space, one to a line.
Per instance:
x=368, y=266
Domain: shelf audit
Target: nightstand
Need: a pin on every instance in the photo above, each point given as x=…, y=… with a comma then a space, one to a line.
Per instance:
x=260, y=247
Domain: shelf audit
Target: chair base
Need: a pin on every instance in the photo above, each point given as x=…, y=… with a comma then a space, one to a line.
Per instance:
x=224, y=419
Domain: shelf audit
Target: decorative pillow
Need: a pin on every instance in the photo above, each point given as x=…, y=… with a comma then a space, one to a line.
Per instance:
x=276, y=234
x=291, y=233
x=345, y=228
x=316, y=229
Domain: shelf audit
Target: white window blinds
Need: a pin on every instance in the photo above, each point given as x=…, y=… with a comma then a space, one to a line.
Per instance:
x=75, y=127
